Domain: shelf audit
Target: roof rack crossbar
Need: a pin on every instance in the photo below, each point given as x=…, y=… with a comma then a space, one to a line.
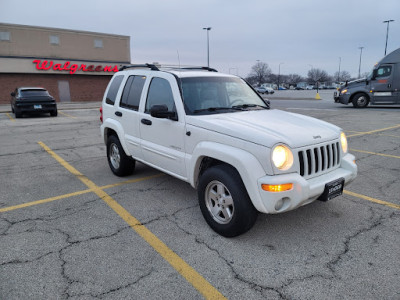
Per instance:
x=154, y=67
x=200, y=68
x=150, y=66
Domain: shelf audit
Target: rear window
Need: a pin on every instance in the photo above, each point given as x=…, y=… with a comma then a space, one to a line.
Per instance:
x=113, y=90
x=34, y=93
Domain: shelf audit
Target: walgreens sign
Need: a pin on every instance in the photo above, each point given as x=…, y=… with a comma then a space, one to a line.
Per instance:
x=72, y=68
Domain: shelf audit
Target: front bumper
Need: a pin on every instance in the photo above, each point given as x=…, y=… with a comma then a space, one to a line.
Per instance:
x=341, y=98
x=304, y=190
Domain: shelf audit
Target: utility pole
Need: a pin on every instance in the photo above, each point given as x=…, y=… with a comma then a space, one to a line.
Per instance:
x=279, y=73
x=359, y=67
x=338, y=75
x=387, y=32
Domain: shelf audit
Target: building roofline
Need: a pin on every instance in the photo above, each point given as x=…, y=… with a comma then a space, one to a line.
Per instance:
x=64, y=59
x=52, y=29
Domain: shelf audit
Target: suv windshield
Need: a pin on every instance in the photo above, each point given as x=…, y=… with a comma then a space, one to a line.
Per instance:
x=210, y=95
x=34, y=93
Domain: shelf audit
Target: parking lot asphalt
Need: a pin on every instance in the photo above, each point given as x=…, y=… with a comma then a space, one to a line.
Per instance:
x=70, y=229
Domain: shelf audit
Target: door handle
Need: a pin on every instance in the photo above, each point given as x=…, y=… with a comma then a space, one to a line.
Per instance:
x=118, y=114
x=146, y=122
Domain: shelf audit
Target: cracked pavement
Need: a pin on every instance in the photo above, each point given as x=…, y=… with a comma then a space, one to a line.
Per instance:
x=79, y=248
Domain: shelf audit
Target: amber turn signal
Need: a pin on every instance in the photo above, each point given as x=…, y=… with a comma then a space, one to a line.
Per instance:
x=277, y=187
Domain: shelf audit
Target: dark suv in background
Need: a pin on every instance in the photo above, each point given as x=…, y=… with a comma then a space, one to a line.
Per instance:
x=27, y=100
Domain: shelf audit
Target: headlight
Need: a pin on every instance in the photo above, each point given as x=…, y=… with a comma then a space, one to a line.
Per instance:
x=343, y=142
x=344, y=91
x=282, y=157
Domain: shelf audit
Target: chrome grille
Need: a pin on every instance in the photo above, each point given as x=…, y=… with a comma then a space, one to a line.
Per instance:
x=319, y=159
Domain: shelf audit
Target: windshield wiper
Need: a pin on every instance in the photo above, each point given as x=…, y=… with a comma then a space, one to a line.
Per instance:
x=213, y=109
x=244, y=106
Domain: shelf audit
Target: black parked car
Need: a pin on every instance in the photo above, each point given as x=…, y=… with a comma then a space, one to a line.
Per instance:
x=27, y=100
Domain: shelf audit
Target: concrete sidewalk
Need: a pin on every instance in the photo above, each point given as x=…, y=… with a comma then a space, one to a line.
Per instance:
x=6, y=108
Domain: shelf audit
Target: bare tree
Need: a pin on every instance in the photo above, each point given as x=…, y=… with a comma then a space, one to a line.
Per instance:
x=260, y=71
x=294, y=78
x=315, y=75
x=343, y=76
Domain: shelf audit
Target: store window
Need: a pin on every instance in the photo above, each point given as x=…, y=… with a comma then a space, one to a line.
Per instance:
x=98, y=43
x=54, y=40
x=4, y=36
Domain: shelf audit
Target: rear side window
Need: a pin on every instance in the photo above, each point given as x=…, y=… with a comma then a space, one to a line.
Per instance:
x=132, y=92
x=113, y=90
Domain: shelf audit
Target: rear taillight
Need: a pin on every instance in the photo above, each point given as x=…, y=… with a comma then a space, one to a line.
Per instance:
x=101, y=114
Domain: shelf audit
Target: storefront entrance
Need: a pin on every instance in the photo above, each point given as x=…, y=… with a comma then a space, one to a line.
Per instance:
x=63, y=91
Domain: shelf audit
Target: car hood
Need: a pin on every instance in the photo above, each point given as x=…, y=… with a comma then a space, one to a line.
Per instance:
x=356, y=82
x=268, y=127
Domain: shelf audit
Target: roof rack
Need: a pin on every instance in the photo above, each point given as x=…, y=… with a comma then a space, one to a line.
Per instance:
x=150, y=66
x=156, y=67
x=199, y=68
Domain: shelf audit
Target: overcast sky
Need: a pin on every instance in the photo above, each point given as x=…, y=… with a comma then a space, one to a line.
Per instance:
x=297, y=33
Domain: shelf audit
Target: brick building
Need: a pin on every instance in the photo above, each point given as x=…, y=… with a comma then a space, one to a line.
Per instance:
x=72, y=65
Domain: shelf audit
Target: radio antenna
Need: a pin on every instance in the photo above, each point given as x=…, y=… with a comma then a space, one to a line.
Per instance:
x=179, y=60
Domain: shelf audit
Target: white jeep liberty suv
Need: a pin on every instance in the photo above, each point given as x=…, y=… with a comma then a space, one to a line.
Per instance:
x=215, y=132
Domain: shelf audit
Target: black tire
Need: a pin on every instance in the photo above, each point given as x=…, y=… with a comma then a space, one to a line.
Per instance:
x=54, y=113
x=360, y=100
x=18, y=114
x=120, y=164
x=227, y=219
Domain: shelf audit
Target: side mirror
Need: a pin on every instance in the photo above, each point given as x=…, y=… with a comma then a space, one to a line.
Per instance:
x=374, y=73
x=12, y=94
x=162, y=112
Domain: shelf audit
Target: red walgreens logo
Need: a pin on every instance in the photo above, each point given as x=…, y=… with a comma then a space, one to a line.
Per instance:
x=72, y=68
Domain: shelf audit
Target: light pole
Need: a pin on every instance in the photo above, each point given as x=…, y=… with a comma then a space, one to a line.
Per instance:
x=279, y=73
x=312, y=67
x=387, y=32
x=208, y=45
x=359, y=67
x=338, y=75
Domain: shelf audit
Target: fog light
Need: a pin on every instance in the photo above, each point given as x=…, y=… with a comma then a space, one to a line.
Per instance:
x=279, y=205
x=277, y=187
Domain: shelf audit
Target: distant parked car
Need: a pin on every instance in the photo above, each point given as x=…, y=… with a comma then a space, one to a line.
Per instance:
x=270, y=90
x=299, y=88
x=261, y=90
x=309, y=87
x=264, y=90
x=28, y=100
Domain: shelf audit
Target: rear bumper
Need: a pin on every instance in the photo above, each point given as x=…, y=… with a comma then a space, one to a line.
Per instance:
x=36, y=107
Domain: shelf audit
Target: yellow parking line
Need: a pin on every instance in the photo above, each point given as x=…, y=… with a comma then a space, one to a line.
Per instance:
x=67, y=115
x=9, y=208
x=47, y=200
x=131, y=181
x=10, y=117
x=396, y=206
x=374, y=153
x=191, y=275
x=374, y=131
